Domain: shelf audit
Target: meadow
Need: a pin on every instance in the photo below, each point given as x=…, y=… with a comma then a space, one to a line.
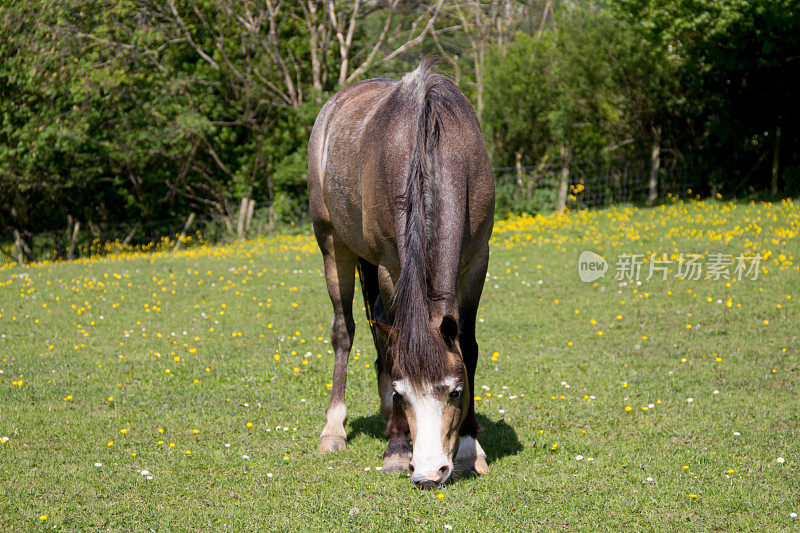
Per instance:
x=144, y=390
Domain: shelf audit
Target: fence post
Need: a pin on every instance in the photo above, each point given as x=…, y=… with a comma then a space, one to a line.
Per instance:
x=130, y=235
x=775, y=162
x=251, y=205
x=73, y=238
x=540, y=166
x=18, y=244
x=183, y=232
x=655, y=164
x=564, y=185
x=242, y=216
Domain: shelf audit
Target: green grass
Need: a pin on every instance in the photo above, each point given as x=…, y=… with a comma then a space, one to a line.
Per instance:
x=64, y=326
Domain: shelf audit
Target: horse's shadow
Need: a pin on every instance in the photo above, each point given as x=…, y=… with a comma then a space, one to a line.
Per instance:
x=497, y=438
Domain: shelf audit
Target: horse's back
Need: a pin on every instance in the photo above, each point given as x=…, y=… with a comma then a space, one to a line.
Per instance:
x=360, y=154
x=337, y=160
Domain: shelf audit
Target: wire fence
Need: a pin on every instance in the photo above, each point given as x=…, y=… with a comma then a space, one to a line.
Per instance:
x=528, y=189
x=591, y=183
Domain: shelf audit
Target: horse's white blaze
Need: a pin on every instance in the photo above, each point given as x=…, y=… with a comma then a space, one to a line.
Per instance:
x=428, y=453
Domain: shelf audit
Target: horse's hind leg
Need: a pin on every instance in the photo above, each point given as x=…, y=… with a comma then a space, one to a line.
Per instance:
x=340, y=265
x=470, y=456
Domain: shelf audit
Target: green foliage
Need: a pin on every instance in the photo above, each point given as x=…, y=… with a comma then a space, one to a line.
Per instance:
x=117, y=113
x=732, y=63
x=547, y=91
x=520, y=98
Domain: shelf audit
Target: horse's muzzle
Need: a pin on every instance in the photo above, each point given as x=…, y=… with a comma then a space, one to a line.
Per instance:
x=431, y=480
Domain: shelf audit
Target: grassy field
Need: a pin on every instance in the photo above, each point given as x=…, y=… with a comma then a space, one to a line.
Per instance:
x=147, y=391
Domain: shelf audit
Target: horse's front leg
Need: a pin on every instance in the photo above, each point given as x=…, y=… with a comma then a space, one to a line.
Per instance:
x=397, y=456
x=340, y=265
x=470, y=456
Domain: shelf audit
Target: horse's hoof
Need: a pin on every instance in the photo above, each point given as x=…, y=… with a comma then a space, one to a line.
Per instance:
x=396, y=462
x=332, y=443
x=471, y=459
x=480, y=466
x=473, y=465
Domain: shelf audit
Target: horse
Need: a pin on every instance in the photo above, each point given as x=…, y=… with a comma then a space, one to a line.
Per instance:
x=401, y=191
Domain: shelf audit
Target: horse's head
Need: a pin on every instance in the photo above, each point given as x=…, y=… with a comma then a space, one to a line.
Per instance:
x=433, y=391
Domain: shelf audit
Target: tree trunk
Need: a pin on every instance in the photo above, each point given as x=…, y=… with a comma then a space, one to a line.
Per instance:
x=316, y=66
x=655, y=165
x=479, y=80
x=518, y=164
x=776, y=162
x=564, y=184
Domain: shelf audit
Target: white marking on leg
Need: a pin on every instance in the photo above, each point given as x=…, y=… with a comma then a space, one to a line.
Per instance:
x=469, y=449
x=335, y=418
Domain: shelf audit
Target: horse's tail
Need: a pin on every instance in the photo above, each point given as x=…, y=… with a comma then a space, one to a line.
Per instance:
x=425, y=91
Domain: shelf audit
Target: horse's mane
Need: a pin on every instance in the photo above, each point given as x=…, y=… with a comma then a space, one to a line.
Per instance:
x=419, y=352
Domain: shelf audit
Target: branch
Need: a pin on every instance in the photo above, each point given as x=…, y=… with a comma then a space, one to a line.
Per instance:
x=544, y=19
x=273, y=51
x=381, y=38
x=189, y=39
x=418, y=39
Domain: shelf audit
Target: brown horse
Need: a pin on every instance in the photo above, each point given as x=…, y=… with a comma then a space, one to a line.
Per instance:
x=401, y=188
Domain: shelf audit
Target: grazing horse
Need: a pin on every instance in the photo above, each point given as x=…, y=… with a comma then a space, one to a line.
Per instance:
x=400, y=189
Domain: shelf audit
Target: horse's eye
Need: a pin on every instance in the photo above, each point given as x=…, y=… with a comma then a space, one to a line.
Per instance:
x=455, y=394
x=396, y=396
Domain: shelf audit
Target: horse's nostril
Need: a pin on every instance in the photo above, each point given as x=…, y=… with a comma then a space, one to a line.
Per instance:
x=410, y=469
x=443, y=471
x=426, y=484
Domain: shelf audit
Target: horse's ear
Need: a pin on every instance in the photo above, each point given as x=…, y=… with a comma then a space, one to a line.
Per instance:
x=449, y=330
x=386, y=331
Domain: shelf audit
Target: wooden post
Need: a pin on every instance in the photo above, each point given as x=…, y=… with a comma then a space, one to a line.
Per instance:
x=540, y=166
x=518, y=165
x=18, y=247
x=182, y=236
x=73, y=239
x=564, y=184
x=271, y=217
x=776, y=162
x=130, y=235
x=21, y=249
x=251, y=205
x=655, y=164
x=242, y=216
